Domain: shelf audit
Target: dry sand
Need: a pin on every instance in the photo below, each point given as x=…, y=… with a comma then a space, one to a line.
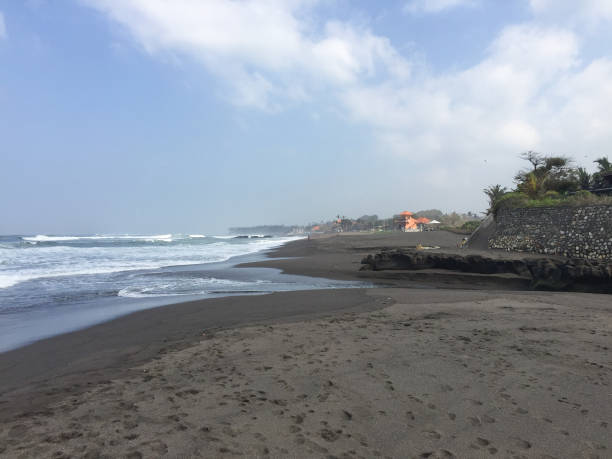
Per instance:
x=386, y=372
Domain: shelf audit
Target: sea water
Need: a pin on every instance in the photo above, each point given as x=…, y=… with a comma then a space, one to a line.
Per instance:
x=55, y=284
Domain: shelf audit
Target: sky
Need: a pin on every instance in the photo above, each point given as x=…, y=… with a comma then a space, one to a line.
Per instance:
x=157, y=116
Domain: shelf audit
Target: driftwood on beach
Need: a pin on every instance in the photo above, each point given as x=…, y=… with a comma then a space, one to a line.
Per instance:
x=545, y=273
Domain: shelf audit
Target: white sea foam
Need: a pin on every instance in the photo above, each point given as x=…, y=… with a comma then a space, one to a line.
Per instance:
x=9, y=280
x=159, y=237
x=184, y=287
x=41, y=261
x=197, y=236
x=45, y=238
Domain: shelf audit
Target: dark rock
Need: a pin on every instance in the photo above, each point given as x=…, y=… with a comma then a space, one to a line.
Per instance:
x=545, y=273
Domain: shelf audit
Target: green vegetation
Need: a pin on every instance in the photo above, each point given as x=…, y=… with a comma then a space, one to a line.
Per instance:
x=550, y=181
x=453, y=220
x=494, y=193
x=603, y=166
x=470, y=226
x=466, y=228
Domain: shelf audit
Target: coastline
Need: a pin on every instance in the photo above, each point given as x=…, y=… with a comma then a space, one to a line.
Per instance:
x=381, y=371
x=24, y=325
x=94, y=353
x=339, y=257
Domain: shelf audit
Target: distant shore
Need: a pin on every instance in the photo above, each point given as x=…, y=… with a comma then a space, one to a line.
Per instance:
x=405, y=369
x=339, y=256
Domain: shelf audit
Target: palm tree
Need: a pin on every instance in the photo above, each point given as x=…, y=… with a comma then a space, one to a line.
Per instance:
x=584, y=178
x=533, y=185
x=494, y=192
x=549, y=173
x=604, y=164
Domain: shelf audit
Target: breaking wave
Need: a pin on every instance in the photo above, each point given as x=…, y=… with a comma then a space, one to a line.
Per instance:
x=45, y=238
x=102, y=254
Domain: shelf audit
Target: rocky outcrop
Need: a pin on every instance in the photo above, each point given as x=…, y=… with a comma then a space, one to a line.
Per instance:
x=545, y=273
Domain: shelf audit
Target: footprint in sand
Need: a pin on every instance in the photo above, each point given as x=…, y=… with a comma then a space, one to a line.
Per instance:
x=488, y=419
x=330, y=435
x=433, y=434
x=440, y=454
x=474, y=402
x=475, y=421
x=524, y=444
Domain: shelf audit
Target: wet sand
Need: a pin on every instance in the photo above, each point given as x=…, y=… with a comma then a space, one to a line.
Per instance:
x=381, y=372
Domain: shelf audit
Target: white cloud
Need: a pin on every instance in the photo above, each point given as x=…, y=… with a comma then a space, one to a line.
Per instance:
x=3, y=33
x=261, y=48
x=530, y=92
x=591, y=12
x=435, y=6
x=492, y=104
x=532, y=89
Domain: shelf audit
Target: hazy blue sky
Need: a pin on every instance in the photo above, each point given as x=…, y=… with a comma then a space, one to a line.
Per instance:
x=191, y=116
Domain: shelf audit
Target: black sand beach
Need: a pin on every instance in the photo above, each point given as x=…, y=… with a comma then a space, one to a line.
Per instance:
x=431, y=365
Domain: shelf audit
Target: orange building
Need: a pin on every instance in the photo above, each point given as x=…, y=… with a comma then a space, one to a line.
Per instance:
x=406, y=222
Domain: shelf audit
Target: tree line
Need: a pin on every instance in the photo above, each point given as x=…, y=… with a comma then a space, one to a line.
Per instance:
x=550, y=180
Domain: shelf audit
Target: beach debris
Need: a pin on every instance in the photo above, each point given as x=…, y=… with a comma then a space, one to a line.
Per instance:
x=426, y=247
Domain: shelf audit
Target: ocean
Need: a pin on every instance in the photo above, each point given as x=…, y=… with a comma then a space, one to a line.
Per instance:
x=55, y=284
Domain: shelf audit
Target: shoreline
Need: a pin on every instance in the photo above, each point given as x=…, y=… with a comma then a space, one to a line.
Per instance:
x=107, y=350
x=340, y=256
x=401, y=369
x=41, y=323
x=141, y=335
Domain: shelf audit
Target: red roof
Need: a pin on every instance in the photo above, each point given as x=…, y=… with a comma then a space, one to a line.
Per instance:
x=423, y=220
x=406, y=213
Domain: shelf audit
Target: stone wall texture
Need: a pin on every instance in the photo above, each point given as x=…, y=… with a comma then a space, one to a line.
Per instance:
x=576, y=232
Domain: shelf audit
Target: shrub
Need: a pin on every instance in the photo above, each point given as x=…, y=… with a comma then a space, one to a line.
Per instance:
x=586, y=198
x=552, y=199
x=513, y=199
x=552, y=195
x=470, y=226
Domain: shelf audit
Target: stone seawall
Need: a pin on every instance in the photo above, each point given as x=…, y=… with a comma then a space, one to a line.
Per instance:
x=576, y=232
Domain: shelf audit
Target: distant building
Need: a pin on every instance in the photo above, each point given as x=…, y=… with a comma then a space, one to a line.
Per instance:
x=421, y=222
x=406, y=222
x=403, y=221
